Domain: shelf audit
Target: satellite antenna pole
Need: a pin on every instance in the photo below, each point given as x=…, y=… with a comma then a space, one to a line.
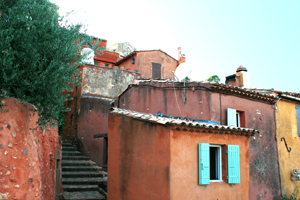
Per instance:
x=184, y=90
x=175, y=75
x=184, y=98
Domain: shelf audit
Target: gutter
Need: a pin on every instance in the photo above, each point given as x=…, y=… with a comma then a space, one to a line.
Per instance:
x=290, y=97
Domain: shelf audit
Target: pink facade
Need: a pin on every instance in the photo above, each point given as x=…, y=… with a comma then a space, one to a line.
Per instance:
x=154, y=64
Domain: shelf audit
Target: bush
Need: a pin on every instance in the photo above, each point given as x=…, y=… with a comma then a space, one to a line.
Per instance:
x=38, y=57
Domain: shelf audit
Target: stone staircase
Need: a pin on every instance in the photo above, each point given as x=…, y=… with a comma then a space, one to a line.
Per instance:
x=80, y=176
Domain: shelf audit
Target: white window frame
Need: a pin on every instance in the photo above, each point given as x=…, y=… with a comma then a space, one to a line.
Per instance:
x=238, y=119
x=219, y=162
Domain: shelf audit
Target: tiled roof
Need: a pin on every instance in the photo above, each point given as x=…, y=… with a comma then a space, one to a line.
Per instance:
x=244, y=91
x=185, y=125
x=134, y=52
x=262, y=90
x=94, y=97
x=221, y=87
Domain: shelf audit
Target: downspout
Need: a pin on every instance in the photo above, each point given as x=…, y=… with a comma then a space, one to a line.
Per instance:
x=220, y=108
x=276, y=138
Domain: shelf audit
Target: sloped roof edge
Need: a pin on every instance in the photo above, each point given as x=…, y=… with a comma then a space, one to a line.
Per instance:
x=220, y=87
x=134, y=52
x=183, y=124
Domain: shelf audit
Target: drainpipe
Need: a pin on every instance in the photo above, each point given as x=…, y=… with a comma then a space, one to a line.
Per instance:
x=276, y=138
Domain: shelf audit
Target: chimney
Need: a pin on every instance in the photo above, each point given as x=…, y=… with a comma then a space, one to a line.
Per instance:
x=181, y=57
x=239, y=79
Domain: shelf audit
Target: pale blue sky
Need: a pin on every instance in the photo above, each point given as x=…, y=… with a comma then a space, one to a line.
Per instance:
x=216, y=36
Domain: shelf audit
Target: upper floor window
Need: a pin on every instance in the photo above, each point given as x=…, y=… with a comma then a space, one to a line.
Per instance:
x=235, y=118
x=156, y=70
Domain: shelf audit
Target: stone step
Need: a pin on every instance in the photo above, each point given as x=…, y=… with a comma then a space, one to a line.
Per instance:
x=77, y=163
x=75, y=158
x=81, y=168
x=77, y=174
x=71, y=153
x=83, y=181
x=80, y=188
x=89, y=195
x=64, y=149
x=64, y=144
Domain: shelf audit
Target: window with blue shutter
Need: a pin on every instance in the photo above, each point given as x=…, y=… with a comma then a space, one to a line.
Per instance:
x=204, y=177
x=298, y=119
x=231, y=117
x=233, y=154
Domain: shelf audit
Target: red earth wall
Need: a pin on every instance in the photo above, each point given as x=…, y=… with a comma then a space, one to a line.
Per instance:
x=153, y=161
x=138, y=160
x=27, y=167
x=93, y=122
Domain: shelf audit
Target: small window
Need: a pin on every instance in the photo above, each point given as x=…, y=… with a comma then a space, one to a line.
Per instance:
x=215, y=162
x=210, y=163
x=132, y=60
x=156, y=70
x=238, y=119
x=235, y=118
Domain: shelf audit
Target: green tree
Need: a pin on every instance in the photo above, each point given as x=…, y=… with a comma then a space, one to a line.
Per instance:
x=214, y=78
x=38, y=57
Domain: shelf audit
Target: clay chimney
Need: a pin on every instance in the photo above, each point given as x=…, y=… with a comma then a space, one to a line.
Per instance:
x=239, y=79
x=181, y=57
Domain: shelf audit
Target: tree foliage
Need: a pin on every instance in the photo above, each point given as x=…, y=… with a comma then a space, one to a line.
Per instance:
x=38, y=57
x=214, y=78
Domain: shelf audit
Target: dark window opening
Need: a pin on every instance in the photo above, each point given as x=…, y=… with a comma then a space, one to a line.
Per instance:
x=215, y=162
x=156, y=71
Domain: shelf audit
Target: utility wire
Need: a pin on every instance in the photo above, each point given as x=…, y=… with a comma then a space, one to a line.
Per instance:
x=176, y=95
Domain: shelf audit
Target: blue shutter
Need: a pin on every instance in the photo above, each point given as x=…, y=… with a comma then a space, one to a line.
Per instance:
x=298, y=119
x=231, y=117
x=233, y=154
x=204, y=177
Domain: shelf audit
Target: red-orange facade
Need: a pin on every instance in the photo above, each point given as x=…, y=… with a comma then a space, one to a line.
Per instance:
x=28, y=155
x=153, y=157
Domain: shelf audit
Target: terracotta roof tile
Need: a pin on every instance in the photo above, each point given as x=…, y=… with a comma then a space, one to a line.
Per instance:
x=183, y=124
x=249, y=92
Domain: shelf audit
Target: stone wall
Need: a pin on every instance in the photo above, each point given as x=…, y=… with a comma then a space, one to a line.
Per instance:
x=28, y=157
x=105, y=81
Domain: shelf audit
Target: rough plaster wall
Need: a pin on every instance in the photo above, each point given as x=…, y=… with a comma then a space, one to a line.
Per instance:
x=286, y=119
x=93, y=120
x=27, y=158
x=138, y=160
x=105, y=82
x=146, y=58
